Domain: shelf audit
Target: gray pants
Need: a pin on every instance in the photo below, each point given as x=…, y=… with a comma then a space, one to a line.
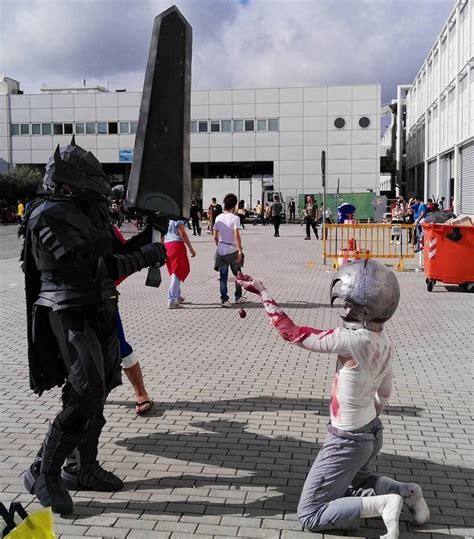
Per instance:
x=340, y=475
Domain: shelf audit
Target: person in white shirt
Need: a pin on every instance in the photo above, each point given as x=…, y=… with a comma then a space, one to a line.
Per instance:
x=229, y=248
x=341, y=487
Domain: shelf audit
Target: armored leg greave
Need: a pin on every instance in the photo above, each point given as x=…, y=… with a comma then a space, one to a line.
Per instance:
x=82, y=470
x=43, y=478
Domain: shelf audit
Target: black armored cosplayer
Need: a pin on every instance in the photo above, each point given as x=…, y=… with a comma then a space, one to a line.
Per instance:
x=71, y=259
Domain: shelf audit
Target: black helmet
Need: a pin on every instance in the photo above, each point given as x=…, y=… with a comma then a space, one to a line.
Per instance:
x=75, y=166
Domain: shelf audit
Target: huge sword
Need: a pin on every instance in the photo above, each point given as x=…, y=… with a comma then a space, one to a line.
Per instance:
x=160, y=177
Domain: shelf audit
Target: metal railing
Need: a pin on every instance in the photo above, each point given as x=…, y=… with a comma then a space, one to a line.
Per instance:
x=372, y=240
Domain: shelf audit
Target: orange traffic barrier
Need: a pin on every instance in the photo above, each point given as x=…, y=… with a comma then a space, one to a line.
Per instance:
x=350, y=241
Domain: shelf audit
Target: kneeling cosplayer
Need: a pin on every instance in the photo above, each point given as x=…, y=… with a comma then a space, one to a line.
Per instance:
x=341, y=487
x=71, y=259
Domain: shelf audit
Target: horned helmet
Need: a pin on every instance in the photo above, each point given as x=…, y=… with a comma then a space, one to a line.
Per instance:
x=75, y=166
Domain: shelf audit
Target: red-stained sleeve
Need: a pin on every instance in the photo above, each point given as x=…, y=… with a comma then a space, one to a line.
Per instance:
x=331, y=341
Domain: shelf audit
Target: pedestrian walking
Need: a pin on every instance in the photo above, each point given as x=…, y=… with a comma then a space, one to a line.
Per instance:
x=213, y=211
x=195, y=214
x=311, y=215
x=229, y=252
x=241, y=213
x=177, y=262
x=292, y=209
x=277, y=210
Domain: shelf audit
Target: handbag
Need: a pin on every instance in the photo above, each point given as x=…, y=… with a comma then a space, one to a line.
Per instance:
x=38, y=525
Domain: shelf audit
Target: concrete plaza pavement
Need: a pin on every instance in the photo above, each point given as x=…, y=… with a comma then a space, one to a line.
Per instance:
x=240, y=414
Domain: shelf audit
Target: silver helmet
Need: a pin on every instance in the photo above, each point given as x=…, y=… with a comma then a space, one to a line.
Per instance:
x=370, y=292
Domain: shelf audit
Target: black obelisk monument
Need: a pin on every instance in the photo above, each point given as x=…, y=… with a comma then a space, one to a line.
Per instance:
x=160, y=178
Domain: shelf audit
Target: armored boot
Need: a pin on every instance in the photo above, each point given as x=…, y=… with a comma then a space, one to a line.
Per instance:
x=82, y=470
x=43, y=478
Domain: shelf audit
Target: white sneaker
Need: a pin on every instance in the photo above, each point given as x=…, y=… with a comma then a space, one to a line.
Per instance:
x=391, y=243
x=238, y=300
x=226, y=303
x=175, y=306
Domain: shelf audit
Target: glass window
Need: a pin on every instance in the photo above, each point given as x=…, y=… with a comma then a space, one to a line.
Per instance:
x=249, y=125
x=102, y=128
x=68, y=129
x=238, y=125
x=202, y=126
x=24, y=129
x=273, y=124
x=226, y=126
x=133, y=128
x=90, y=128
x=58, y=129
x=194, y=126
x=215, y=126
x=36, y=129
x=46, y=129
x=80, y=128
x=15, y=129
x=124, y=128
x=261, y=125
x=113, y=128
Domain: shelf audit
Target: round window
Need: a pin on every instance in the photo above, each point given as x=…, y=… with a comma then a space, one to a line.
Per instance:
x=364, y=122
x=339, y=123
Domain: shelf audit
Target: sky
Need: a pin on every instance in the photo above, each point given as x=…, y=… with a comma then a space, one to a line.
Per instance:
x=236, y=43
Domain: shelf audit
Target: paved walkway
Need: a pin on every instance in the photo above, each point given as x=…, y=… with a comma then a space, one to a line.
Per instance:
x=241, y=414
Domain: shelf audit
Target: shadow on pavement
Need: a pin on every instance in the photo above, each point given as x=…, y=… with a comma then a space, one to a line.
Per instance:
x=258, y=404
x=242, y=459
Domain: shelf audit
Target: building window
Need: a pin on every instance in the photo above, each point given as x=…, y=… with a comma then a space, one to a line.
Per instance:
x=113, y=128
x=202, y=127
x=58, y=129
x=194, y=126
x=339, y=123
x=226, y=126
x=124, y=128
x=238, y=125
x=46, y=129
x=273, y=124
x=36, y=129
x=15, y=129
x=364, y=122
x=215, y=126
x=249, y=125
x=102, y=128
x=24, y=129
x=261, y=125
x=90, y=128
x=80, y=128
x=133, y=128
x=68, y=129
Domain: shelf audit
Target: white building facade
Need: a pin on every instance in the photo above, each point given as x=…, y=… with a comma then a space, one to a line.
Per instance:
x=440, y=115
x=277, y=132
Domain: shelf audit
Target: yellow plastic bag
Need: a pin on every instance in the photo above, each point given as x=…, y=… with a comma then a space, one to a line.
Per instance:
x=37, y=525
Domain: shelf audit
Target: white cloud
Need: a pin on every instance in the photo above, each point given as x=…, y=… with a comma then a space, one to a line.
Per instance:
x=236, y=44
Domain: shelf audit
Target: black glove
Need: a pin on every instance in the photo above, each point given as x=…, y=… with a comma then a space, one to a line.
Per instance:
x=159, y=221
x=154, y=254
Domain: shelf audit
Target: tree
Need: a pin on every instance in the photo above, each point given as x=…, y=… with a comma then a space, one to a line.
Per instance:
x=19, y=184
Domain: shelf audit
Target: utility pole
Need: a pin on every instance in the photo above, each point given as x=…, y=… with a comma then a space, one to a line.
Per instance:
x=323, y=179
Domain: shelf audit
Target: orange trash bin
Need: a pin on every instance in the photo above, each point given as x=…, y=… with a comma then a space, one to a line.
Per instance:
x=449, y=255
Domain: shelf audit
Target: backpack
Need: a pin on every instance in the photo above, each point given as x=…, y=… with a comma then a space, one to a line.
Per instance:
x=217, y=210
